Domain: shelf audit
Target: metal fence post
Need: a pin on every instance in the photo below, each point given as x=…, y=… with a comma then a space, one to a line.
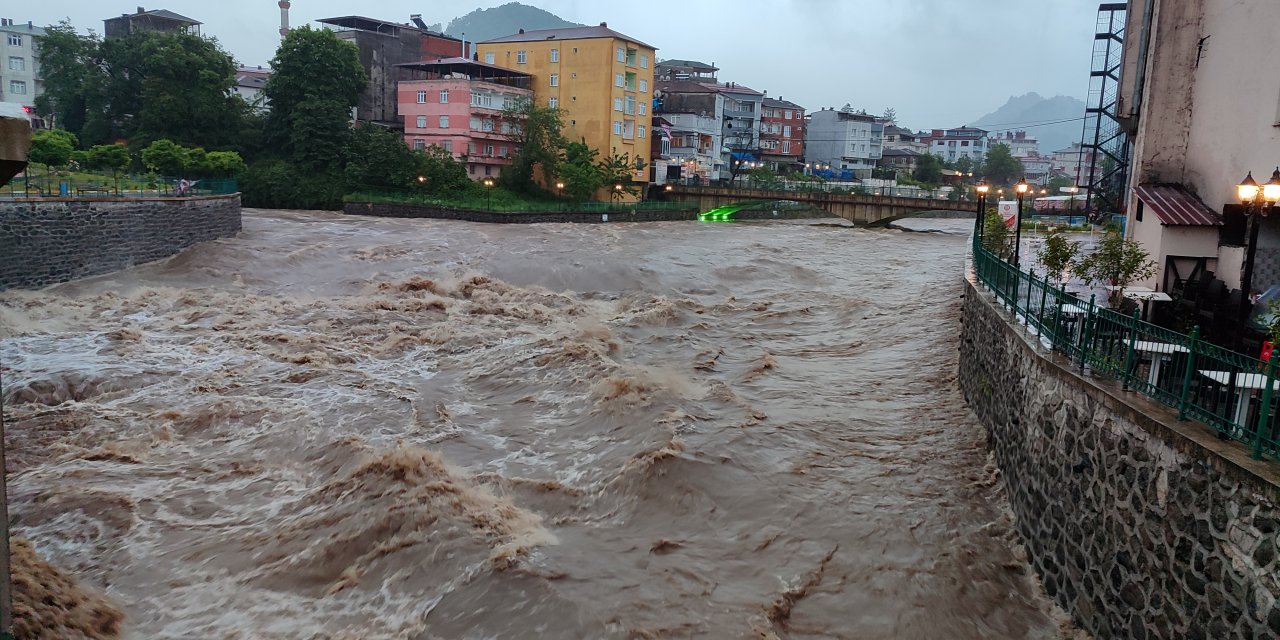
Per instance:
x=1128, y=359
x=1084, y=332
x=1044, y=297
x=1026, y=311
x=1264, y=411
x=1184, y=396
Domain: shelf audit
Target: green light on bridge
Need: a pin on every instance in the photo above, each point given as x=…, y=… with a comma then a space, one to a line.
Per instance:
x=720, y=214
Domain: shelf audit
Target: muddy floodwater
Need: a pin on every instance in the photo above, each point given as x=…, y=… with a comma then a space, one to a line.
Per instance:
x=341, y=427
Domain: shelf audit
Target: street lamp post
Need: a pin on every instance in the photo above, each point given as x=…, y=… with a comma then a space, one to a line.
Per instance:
x=1255, y=200
x=560, y=193
x=982, y=188
x=1021, y=188
x=488, y=191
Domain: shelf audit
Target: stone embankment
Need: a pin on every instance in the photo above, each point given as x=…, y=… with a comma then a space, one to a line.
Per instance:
x=48, y=241
x=1139, y=525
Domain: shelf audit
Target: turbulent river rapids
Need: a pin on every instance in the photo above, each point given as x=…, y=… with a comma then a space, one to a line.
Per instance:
x=341, y=427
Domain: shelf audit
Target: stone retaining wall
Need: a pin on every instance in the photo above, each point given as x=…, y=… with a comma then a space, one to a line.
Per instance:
x=49, y=241
x=1139, y=525
x=473, y=215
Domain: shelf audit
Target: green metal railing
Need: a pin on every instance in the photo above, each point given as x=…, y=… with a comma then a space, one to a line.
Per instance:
x=125, y=186
x=1230, y=392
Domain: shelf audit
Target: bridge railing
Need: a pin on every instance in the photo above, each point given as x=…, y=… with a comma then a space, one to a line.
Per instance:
x=1232, y=393
x=840, y=188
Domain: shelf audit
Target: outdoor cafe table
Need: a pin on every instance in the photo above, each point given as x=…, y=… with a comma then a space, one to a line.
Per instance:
x=1249, y=381
x=1161, y=351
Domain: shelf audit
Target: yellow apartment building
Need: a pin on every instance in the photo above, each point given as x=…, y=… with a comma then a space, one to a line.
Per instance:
x=601, y=79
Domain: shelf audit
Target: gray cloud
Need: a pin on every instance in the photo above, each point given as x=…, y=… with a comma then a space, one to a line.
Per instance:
x=940, y=63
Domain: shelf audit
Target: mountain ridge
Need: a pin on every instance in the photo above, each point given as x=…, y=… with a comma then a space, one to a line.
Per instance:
x=1056, y=122
x=503, y=20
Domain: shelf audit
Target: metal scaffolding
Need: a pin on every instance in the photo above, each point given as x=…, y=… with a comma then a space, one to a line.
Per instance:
x=1103, y=140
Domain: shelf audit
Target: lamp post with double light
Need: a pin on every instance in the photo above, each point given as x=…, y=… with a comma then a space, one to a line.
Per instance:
x=488, y=190
x=982, y=188
x=1255, y=200
x=1022, y=187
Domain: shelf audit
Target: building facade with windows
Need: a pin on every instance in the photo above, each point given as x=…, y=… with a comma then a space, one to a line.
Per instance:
x=740, y=117
x=844, y=141
x=20, y=62
x=143, y=21
x=458, y=106
x=694, y=112
x=896, y=137
x=673, y=70
x=383, y=47
x=964, y=142
x=601, y=79
x=1021, y=144
x=782, y=135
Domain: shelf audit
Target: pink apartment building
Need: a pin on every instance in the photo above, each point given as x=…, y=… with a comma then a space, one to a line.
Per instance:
x=456, y=104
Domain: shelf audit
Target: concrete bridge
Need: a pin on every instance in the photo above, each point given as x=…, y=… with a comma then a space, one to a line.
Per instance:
x=859, y=209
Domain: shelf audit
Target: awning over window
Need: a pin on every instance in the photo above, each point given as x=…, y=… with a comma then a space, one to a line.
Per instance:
x=745, y=157
x=1174, y=205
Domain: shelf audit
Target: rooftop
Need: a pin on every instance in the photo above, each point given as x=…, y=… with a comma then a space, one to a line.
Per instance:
x=779, y=103
x=692, y=65
x=682, y=86
x=163, y=14
x=361, y=23
x=568, y=33
x=1174, y=205
x=471, y=68
x=900, y=152
x=9, y=27
x=730, y=87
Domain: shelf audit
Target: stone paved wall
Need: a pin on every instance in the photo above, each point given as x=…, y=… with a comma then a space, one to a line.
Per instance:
x=50, y=241
x=1139, y=525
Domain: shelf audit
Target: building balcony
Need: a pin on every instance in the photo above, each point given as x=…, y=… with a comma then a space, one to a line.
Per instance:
x=738, y=113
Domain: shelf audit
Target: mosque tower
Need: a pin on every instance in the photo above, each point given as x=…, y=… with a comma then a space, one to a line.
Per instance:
x=284, y=18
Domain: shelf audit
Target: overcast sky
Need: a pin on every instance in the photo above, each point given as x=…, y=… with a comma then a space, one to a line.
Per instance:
x=940, y=63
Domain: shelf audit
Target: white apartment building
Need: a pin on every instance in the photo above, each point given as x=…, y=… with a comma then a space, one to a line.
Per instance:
x=964, y=142
x=850, y=141
x=20, y=62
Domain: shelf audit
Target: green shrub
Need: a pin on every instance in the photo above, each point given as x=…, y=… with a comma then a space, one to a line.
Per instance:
x=276, y=184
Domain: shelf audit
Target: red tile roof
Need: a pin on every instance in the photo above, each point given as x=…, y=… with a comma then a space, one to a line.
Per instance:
x=1174, y=205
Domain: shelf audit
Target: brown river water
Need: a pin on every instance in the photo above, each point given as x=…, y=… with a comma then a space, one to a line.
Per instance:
x=340, y=427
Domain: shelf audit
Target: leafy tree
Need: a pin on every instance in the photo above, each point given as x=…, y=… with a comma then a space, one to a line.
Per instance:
x=109, y=157
x=317, y=80
x=1115, y=261
x=165, y=157
x=890, y=115
x=1058, y=183
x=928, y=169
x=996, y=235
x=441, y=174
x=378, y=158
x=1001, y=167
x=67, y=67
x=277, y=184
x=538, y=140
x=847, y=108
x=616, y=170
x=52, y=147
x=579, y=172
x=224, y=164
x=964, y=165
x=1058, y=253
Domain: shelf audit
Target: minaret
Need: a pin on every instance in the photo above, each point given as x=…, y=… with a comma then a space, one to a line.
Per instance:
x=284, y=18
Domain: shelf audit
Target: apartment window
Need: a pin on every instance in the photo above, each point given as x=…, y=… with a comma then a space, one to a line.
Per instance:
x=786, y=115
x=422, y=97
x=617, y=127
x=17, y=87
x=644, y=86
x=631, y=82
x=447, y=145
x=631, y=57
x=554, y=103
x=786, y=146
x=444, y=122
x=488, y=58
x=629, y=129
x=1138, y=216
x=521, y=56
x=419, y=143
x=475, y=124
x=630, y=108
x=644, y=62
x=488, y=170
x=471, y=148
x=555, y=55
x=502, y=151
x=617, y=104
x=622, y=55
x=487, y=125
x=422, y=122
x=444, y=96
x=15, y=40
x=786, y=131
x=482, y=100
x=644, y=109
x=488, y=150
x=17, y=64
x=555, y=79
x=640, y=132
x=618, y=80
x=506, y=128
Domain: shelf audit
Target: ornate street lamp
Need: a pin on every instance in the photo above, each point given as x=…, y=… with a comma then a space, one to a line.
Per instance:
x=1022, y=187
x=982, y=188
x=1255, y=200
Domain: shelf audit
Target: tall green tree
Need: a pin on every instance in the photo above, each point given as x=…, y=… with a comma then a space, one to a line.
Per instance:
x=69, y=70
x=928, y=169
x=579, y=172
x=109, y=157
x=537, y=134
x=616, y=170
x=165, y=157
x=317, y=79
x=1001, y=167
